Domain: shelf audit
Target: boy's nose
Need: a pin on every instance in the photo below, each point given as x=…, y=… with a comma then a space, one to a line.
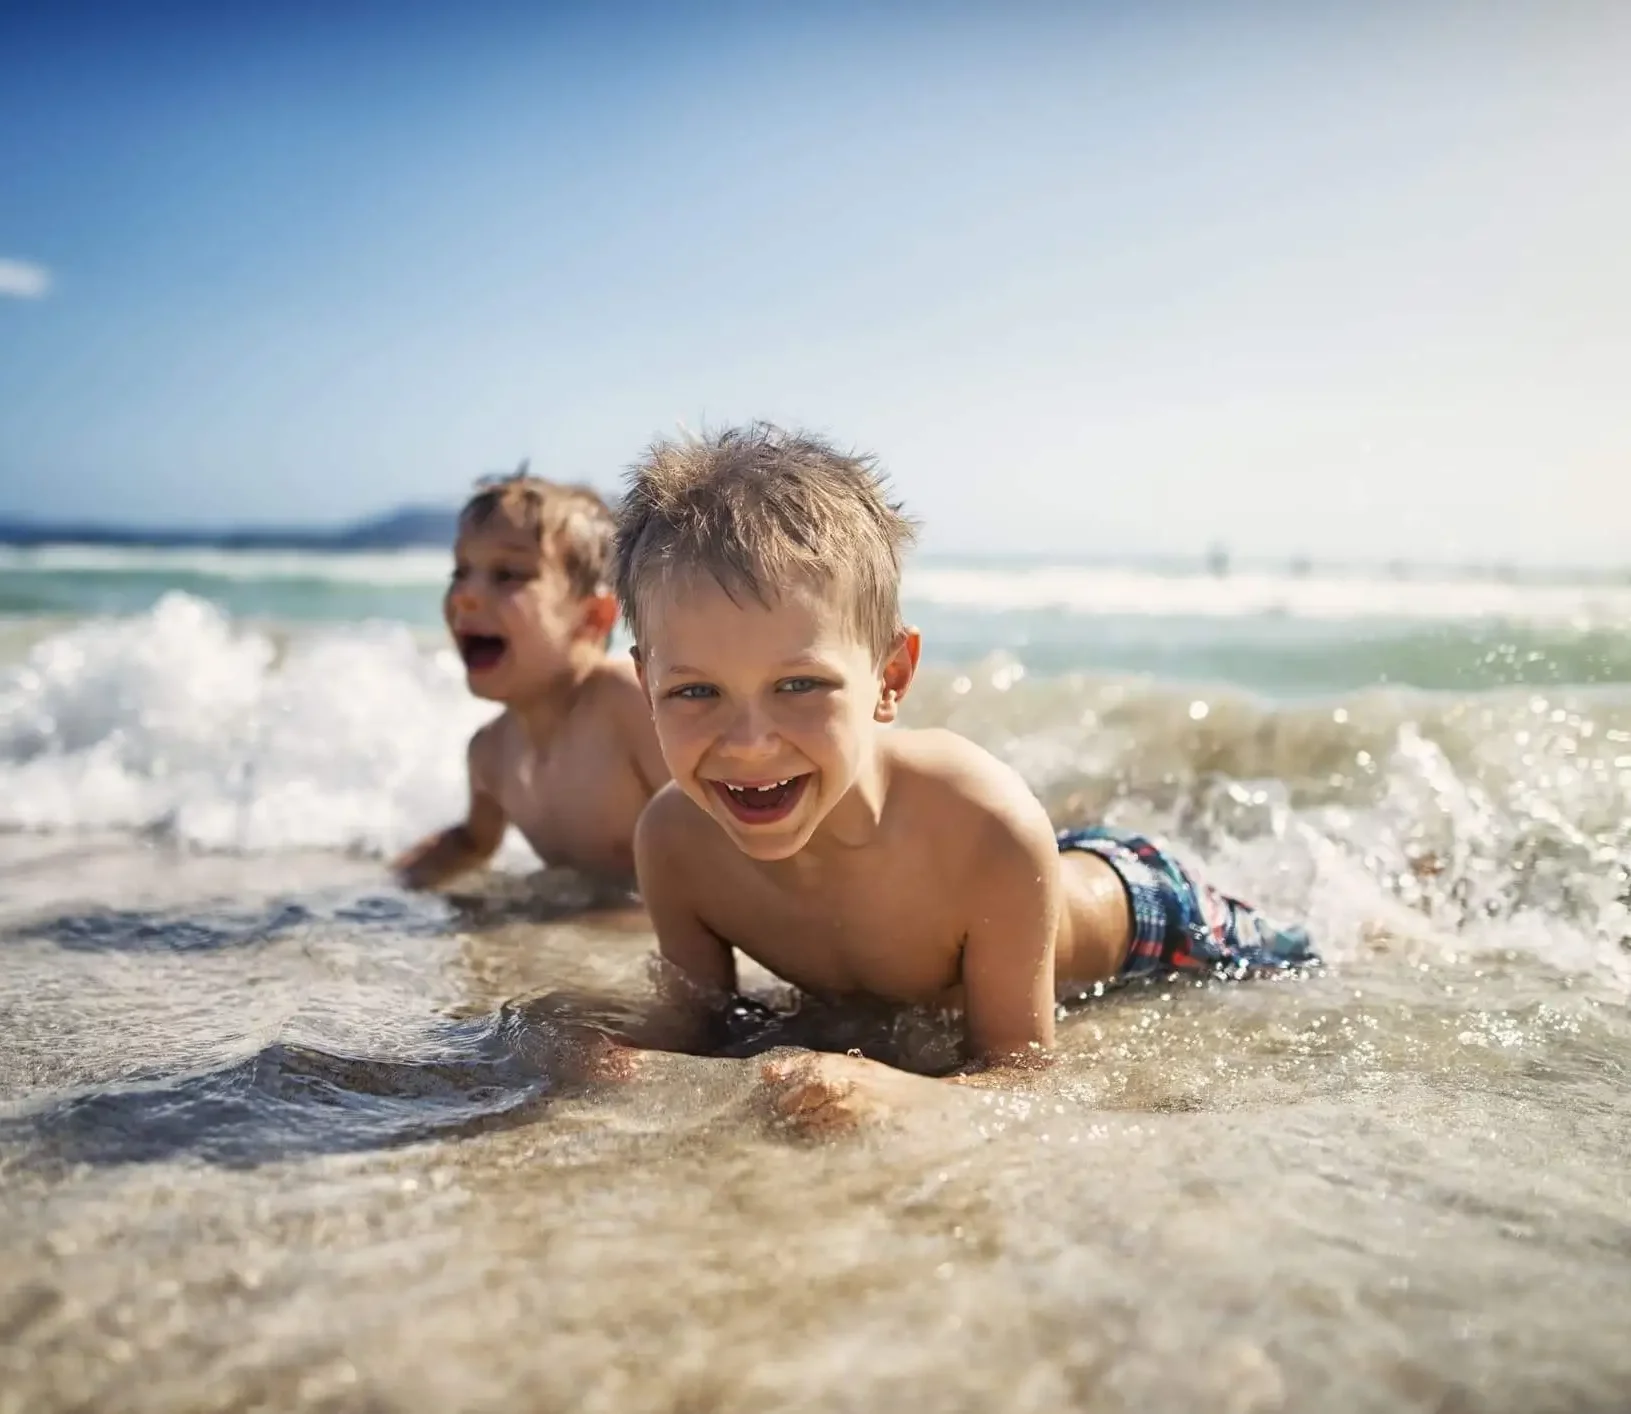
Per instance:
x=750, y=735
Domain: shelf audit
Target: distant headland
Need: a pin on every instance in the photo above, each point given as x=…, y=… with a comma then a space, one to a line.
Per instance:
x=407, y=528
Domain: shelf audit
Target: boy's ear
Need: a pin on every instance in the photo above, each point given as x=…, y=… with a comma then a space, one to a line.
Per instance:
x=898, y=671
x=599, y=616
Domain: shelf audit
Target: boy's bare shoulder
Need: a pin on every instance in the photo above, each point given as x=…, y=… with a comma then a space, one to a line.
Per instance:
x=969, y=788
x=488, y=745
x=942, y=760
x=612, y=685
x=613, y=694
x=677, y=847
x=676, y=825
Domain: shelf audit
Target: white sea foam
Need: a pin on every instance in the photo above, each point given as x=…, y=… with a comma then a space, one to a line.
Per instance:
x=178, y=719
x=1086, y=590
x=382, y=568
x=351, y=737
x=1089, y=590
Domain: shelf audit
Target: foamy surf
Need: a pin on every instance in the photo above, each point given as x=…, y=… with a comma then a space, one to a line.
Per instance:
x=226, y=737
x=1107, y=590
x=383, y=567
x=1503, y=816
x=1093, y=591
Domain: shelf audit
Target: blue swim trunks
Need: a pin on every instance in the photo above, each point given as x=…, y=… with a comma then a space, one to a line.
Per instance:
x=1180, y=922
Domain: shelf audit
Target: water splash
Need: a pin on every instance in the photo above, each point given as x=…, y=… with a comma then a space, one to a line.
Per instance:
x=228, y=737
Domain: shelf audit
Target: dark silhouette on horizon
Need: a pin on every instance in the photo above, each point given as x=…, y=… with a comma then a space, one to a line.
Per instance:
x=408, y=527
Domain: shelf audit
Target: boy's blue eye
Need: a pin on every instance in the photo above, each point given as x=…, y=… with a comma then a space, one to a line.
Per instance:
x=459, y=573
x=695, y=692
x=799, y=685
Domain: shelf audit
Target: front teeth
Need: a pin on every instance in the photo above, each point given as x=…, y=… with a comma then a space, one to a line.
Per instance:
x=760, y=790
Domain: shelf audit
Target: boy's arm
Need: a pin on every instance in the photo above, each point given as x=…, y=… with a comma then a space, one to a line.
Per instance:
x=461, y=847
x=1008, y=994
x=1008, y=959
x=698, y=971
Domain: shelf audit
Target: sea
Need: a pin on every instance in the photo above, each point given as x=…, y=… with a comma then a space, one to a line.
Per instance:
x=275, y=1134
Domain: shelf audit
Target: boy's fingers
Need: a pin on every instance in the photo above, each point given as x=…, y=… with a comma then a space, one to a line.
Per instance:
x=784, y=1068
x=616, y=1063
x=813, y=1094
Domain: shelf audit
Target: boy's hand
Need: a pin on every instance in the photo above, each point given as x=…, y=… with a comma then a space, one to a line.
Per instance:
x=605, y=1062
x=822, y=1094
x=449, y=853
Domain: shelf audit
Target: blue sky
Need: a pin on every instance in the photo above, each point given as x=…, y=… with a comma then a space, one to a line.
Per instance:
x=1343, y=280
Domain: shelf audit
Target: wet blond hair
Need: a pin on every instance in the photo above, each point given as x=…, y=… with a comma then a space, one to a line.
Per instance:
x=574, y=525
x=757, y=508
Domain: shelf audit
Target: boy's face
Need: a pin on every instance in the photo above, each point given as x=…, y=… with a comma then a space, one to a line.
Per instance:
x=512, y=614
x=765, y=714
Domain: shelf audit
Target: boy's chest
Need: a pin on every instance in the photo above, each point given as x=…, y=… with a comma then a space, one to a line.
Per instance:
x=575, y=802
x=884, y=935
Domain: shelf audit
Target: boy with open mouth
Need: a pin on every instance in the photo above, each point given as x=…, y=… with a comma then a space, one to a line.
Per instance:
x=572, y=759
x=759, y=572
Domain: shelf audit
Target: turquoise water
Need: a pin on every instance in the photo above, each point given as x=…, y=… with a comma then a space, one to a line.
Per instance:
x=1275, y=633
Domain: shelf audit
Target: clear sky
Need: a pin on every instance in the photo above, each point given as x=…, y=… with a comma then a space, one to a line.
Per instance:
x=1330, y=278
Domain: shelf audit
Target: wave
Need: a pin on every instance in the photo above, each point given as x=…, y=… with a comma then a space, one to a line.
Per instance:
x=385, y=567
x=1095, y=591
x=232, y=738
x=1494, y=821
x=1146, y=594
x=228, y=737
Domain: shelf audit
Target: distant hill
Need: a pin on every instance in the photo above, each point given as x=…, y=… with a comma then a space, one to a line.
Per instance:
x=409, y=527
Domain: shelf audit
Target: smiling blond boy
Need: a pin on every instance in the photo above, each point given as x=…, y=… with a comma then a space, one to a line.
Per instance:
x=759, y=571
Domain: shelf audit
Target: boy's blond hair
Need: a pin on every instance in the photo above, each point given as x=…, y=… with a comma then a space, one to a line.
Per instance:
x=574, y=525
x=756, y=508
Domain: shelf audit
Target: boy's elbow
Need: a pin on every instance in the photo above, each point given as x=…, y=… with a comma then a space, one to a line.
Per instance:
x=479, y=844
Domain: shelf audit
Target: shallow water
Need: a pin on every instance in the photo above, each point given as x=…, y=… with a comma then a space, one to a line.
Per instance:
x=304, y=1150
x=276, y=1135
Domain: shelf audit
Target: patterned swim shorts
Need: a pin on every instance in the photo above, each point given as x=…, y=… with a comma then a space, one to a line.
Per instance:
x=1180, y=922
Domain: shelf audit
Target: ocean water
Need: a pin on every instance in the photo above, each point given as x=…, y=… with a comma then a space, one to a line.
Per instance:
x=275, y=1134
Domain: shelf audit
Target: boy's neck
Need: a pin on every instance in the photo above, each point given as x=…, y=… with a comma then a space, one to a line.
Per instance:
x=542, y=712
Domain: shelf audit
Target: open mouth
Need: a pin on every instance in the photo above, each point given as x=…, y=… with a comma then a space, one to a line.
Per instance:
x=762, y=804
x=480, y=651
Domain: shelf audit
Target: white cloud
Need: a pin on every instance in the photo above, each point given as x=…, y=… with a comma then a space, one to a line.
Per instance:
x=23, y=280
